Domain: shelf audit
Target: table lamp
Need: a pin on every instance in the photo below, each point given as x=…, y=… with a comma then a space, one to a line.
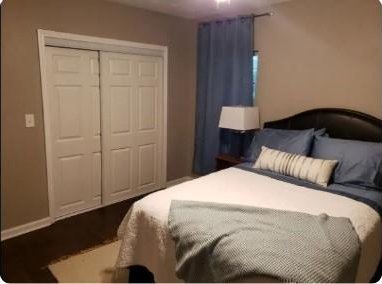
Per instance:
x=240, y=119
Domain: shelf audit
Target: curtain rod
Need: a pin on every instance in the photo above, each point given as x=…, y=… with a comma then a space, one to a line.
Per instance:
x=262, y=15
x=250, y=15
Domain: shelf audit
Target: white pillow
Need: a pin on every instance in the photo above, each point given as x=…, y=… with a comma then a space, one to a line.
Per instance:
x=314, y=170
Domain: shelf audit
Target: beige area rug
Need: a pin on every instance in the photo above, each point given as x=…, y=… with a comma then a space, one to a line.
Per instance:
x=92, y=266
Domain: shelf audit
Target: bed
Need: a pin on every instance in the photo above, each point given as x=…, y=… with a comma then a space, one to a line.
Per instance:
x=147, y=246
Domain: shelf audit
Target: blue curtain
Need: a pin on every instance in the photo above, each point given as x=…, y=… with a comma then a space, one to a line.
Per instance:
x=225, y=50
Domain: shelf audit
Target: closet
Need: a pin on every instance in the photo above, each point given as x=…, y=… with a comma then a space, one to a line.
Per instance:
x=105, y=114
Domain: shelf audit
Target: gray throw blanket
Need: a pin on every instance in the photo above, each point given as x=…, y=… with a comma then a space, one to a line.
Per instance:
x=229, y=243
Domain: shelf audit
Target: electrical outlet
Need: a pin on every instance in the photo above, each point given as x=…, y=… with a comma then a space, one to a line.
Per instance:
x=29, y=120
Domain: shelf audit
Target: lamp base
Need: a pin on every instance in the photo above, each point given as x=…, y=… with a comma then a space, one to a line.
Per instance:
x=237, y=146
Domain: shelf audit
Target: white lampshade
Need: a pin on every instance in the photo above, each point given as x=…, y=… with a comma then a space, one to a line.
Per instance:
x=239, y=118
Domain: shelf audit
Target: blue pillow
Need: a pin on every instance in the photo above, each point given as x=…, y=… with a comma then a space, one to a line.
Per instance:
x=321, y=132
x=360, y=163
x=291, y=141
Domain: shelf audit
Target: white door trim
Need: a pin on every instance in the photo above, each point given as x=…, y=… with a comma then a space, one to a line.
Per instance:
x=58, y=39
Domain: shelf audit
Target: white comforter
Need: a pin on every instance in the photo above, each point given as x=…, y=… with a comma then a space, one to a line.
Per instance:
x=145, y=239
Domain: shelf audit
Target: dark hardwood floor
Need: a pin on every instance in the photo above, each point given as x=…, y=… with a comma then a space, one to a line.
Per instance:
x=25, y=258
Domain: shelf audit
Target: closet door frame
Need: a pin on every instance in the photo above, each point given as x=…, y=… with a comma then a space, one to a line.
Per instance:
x=68, y=40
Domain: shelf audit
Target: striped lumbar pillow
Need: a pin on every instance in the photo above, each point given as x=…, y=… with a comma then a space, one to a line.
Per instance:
x=314, y=170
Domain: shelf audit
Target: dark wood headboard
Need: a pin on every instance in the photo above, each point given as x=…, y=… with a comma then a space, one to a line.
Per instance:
x=339, y=123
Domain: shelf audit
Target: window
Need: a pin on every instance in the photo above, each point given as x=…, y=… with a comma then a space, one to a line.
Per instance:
x=255, y=61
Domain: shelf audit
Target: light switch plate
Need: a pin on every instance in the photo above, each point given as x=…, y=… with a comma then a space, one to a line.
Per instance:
x=29, y=120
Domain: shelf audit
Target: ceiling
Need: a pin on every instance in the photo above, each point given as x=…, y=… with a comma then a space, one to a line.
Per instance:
x=201, y=9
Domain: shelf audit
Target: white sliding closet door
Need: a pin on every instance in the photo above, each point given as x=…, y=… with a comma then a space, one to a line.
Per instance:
x=132, y=124
x=74, y=126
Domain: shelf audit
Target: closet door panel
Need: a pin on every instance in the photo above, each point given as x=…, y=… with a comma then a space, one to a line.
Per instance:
x=73, y=90
x=131, y=118
x=70, y=180
x=69, y=115
x=121, y=110
x=147, y=168
x=116, y=117
x=147, y=108
x=149, y=126
x=121, y=166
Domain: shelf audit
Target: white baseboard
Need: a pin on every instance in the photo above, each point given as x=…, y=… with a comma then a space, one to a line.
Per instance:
x=26, y=228
x=178, y=181
x=45, y=222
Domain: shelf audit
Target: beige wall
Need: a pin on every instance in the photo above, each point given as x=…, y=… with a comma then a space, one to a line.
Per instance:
x=24, y=195
x=320, y=53
x=314, y=53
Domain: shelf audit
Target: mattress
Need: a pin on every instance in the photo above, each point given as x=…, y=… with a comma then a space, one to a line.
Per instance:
x=146, y=241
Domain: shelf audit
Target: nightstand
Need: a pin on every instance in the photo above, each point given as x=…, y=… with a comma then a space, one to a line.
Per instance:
x=227, y=161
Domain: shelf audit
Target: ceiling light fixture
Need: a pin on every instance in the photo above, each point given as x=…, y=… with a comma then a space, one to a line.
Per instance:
x=225, y=2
